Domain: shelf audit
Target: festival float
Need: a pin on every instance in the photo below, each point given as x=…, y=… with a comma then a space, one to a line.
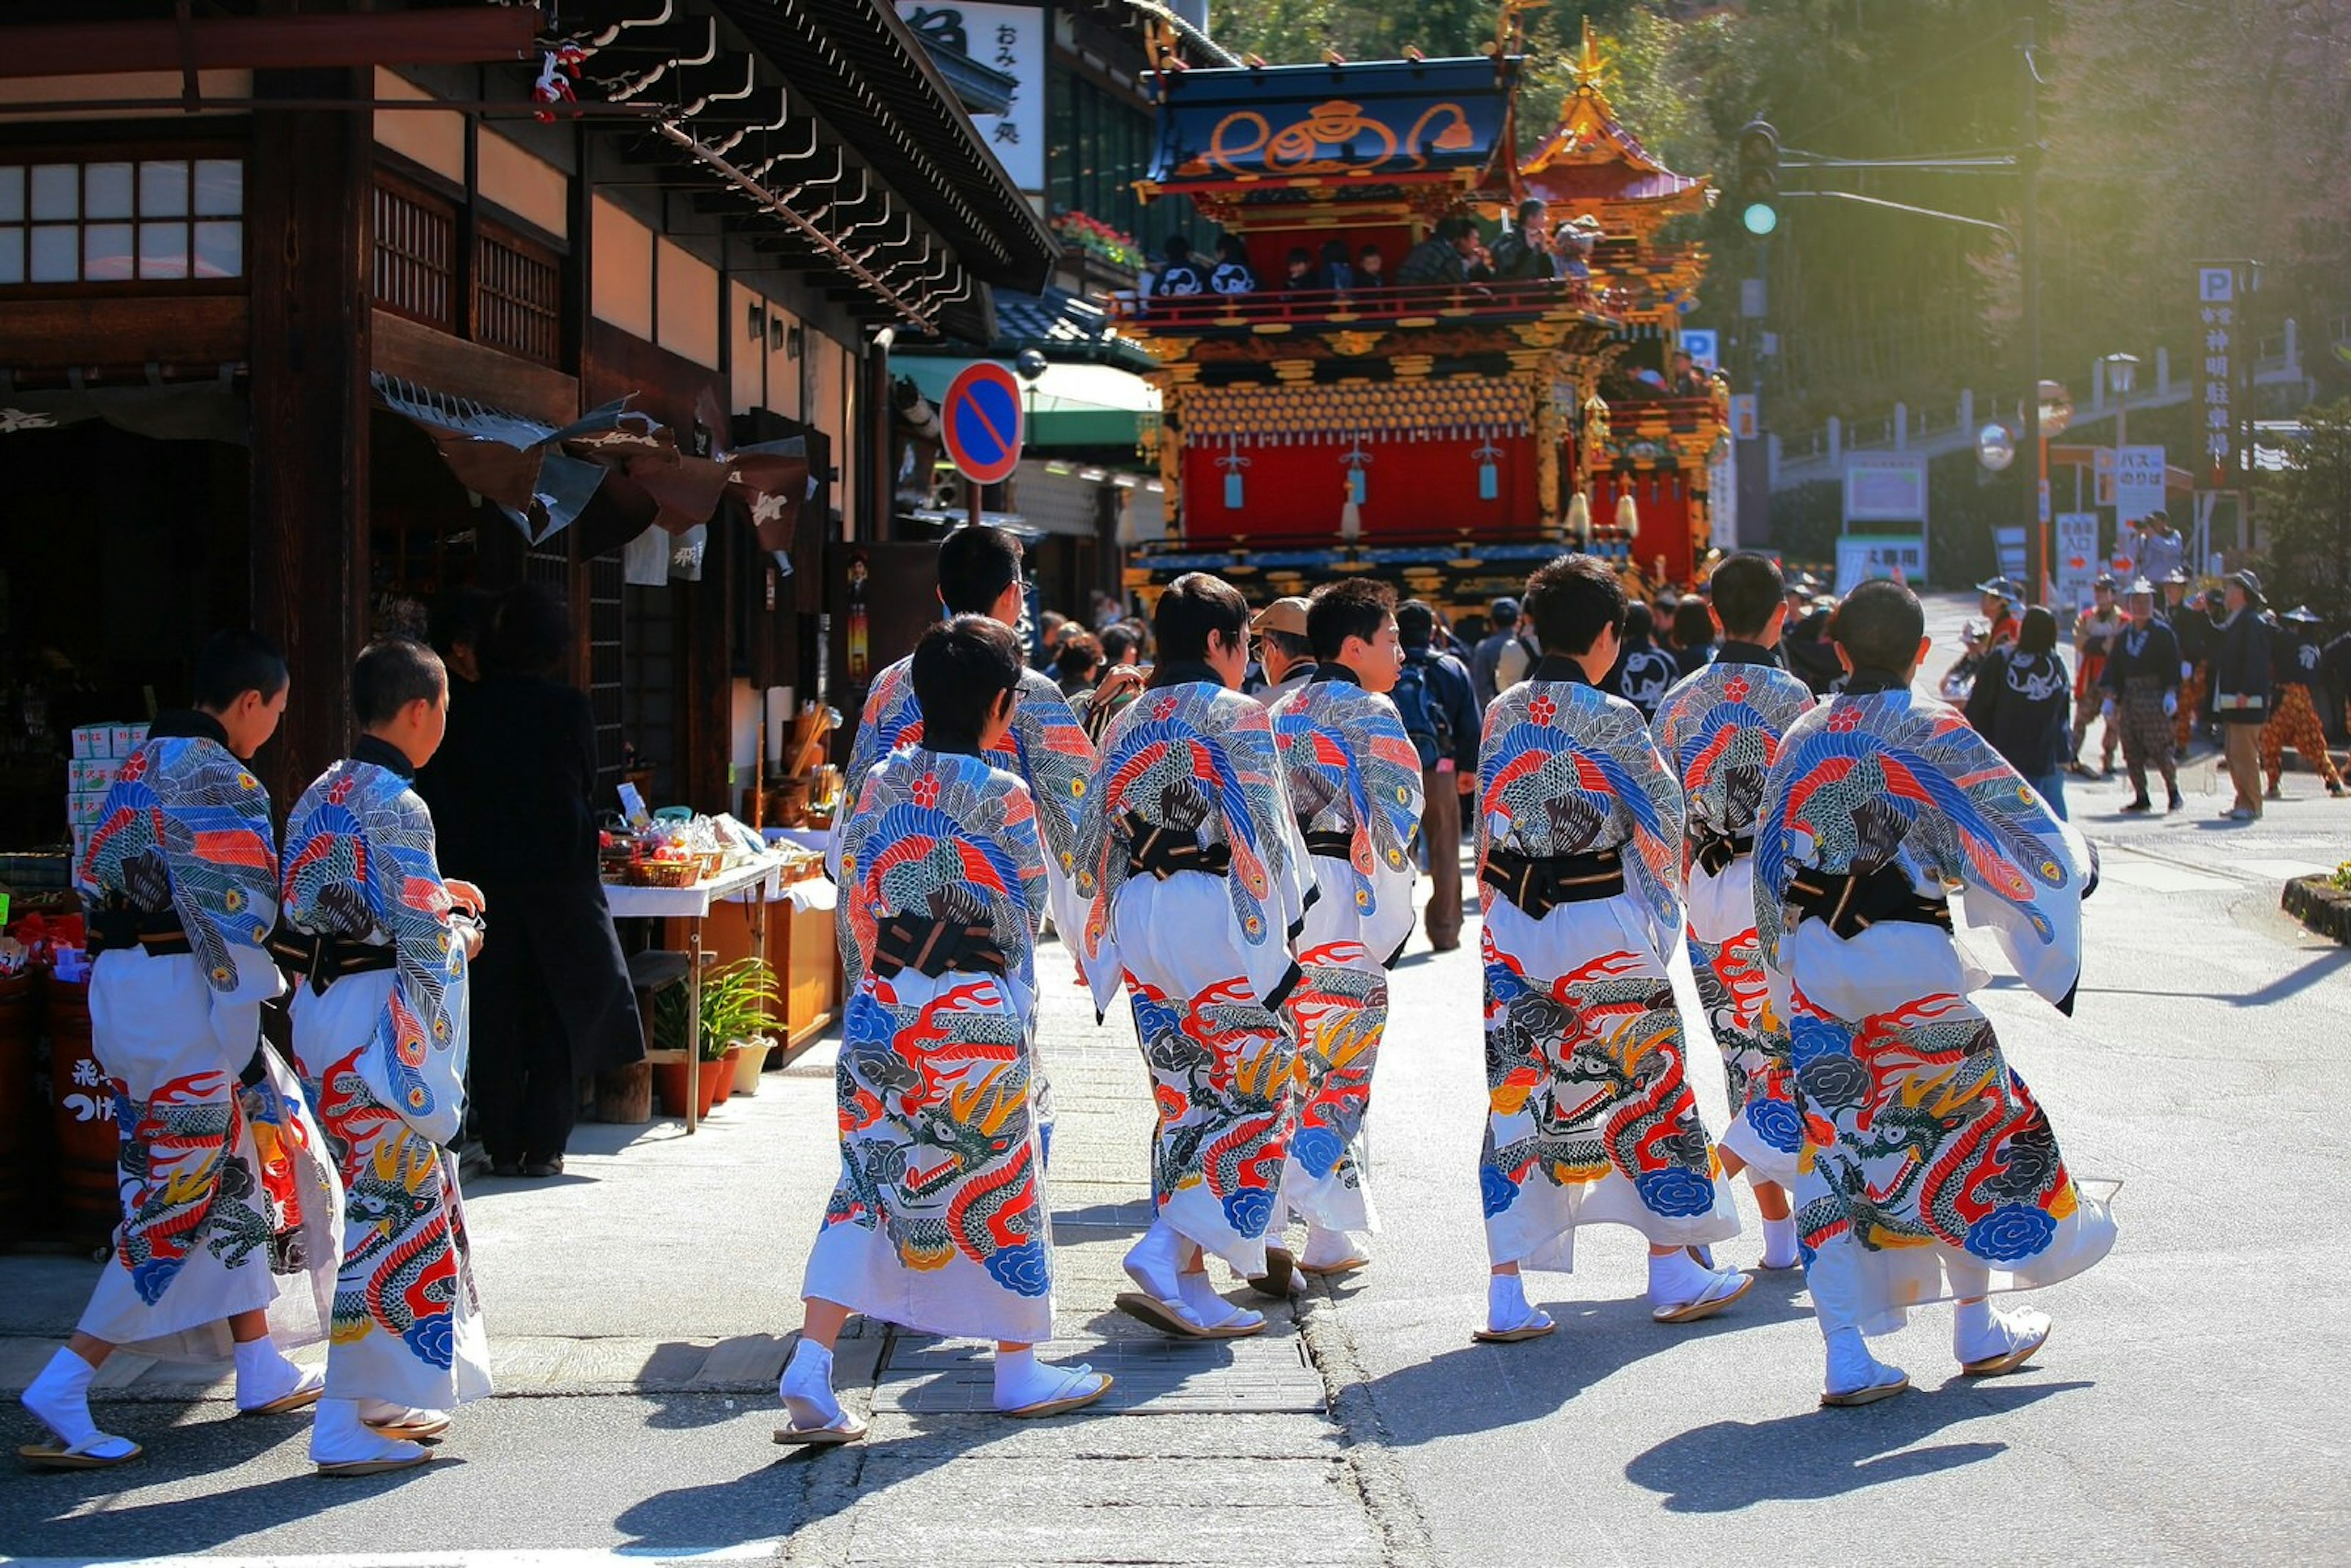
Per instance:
x=1444, y=436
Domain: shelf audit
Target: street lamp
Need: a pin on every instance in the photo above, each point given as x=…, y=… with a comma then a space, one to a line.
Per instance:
x=2053, y=407
x=2121, y=369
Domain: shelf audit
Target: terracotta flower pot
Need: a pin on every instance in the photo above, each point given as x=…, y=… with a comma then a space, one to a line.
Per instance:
x=718, y=1081
x=670, y=1077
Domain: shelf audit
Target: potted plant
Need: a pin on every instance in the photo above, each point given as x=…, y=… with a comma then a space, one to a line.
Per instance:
x=734, y=1000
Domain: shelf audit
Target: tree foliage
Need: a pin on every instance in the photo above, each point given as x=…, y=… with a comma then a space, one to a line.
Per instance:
x=2305, y=510
x=2174, y=130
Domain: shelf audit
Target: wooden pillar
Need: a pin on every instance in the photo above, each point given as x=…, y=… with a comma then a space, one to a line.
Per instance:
x=306, y=225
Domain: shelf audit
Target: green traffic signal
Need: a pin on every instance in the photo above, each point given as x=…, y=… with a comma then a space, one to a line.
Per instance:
x=1760, y=217
x=1757, y=182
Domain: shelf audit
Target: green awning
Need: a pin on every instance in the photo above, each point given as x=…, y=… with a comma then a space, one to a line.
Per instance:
x=1071, y=406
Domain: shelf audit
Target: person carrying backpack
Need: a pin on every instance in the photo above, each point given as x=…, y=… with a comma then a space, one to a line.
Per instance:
x=1435, y=698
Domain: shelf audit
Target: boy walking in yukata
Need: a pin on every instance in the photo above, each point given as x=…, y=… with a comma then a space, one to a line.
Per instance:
x=1928, y=1171
x=227, y=1240
x=1592, y=1119
x=940, y=1221
x=380, y=942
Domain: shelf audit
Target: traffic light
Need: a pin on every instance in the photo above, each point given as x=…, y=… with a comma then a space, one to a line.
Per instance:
x=1757, y=186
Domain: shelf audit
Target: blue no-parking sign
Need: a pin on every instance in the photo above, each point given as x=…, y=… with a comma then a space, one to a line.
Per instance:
x=981, y=419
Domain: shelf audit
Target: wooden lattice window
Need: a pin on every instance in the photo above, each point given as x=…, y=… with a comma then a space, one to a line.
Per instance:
x=415, y=253
x=517, y=296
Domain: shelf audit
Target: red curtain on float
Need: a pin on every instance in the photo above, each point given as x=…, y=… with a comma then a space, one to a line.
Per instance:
x=1420, y=491
x=1663, y=500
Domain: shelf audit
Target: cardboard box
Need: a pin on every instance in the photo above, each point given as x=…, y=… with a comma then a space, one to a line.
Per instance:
x=86, y=808
x=92, y=740
x=91, y=775
x=127, y=738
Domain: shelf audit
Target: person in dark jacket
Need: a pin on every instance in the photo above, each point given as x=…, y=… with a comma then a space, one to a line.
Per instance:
x=2184, y=612
x=1693, y=635
x=2020, y=703
x=2141, y=680
x=2242, y=679
x=516, y=779
x=1644, y=672
x=1447, y=780
x=2293, y=716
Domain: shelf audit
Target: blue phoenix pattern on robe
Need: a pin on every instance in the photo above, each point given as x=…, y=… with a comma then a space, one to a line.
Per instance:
x=1047, y=750
x=360, y=864
x=1720, y=732
x=1198, y=759
x=1566, y=769
x=1349, y=768
x=185, y=827
x=1895, y=776
x=210, y=854
x=1916, y=1132
x=937, y=1149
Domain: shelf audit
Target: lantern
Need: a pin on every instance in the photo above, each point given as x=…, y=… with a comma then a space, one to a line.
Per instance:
x=1355, y=460
x=1628, y=515
x=1490, y=475
x=1579, y=518
x=1232, y=462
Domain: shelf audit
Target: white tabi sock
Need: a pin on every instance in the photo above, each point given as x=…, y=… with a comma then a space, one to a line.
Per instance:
x=1151, y=1263
x=1979, y=1332
x=1326, y=1248
x=1505, y=1303
x=60, y=1398
x=806, y=1387
x=1676, y=1277
x=1212, y=1309
x=264, y=1375
x=1780, y=1243
x=1851, y=1367
x=338, y=1437
x=1022, y=1380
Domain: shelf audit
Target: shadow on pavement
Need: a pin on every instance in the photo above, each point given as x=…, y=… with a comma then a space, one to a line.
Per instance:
x=178, y=1451
x=1480, y=1387
x=1817, y=1453
x=2321, y=965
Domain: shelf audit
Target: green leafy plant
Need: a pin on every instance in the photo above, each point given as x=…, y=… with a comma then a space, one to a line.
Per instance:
x=737, y=999
x=2342, y=877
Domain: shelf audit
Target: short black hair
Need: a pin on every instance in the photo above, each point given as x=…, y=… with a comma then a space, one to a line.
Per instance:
x=1573, y=599
x=961, y=666
x=1119, y=644
x=1196, y=605
x=231, y=664
x=1530, y=209
x=1745, y=589
x=460, y=617
x=1177, y=247
x=1640, y=624
x=1230, y=245
x=391, y=674
x=977, y=563
x=1415, y=623
x=1693, y=627
x=2038, y=635
x=1077, y=655
x=1454, y=229
x=1351, y=607
x=530, y=635
x=1879, y=625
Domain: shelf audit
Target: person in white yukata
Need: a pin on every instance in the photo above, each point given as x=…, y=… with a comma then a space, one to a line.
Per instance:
x=1928, y=1171
x=227, y=1202
x=940, y=1220
x=380, y=942
x=1719, y=730
x=1591, y=1117
x=1353, y=782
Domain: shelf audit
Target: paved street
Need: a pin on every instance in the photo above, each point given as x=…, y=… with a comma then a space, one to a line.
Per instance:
x=2183, y=1412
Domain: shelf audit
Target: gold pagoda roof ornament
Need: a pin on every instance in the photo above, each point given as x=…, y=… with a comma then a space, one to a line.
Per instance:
x=1592, y=163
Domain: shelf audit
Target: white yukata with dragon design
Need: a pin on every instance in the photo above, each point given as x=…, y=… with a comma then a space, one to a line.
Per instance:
x=1189, y=782
x=940, y=1220
x=1923, y=1148
x=383, y=1054
x=1353, y=781
x=1719, y=730
x=1591, y=1118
